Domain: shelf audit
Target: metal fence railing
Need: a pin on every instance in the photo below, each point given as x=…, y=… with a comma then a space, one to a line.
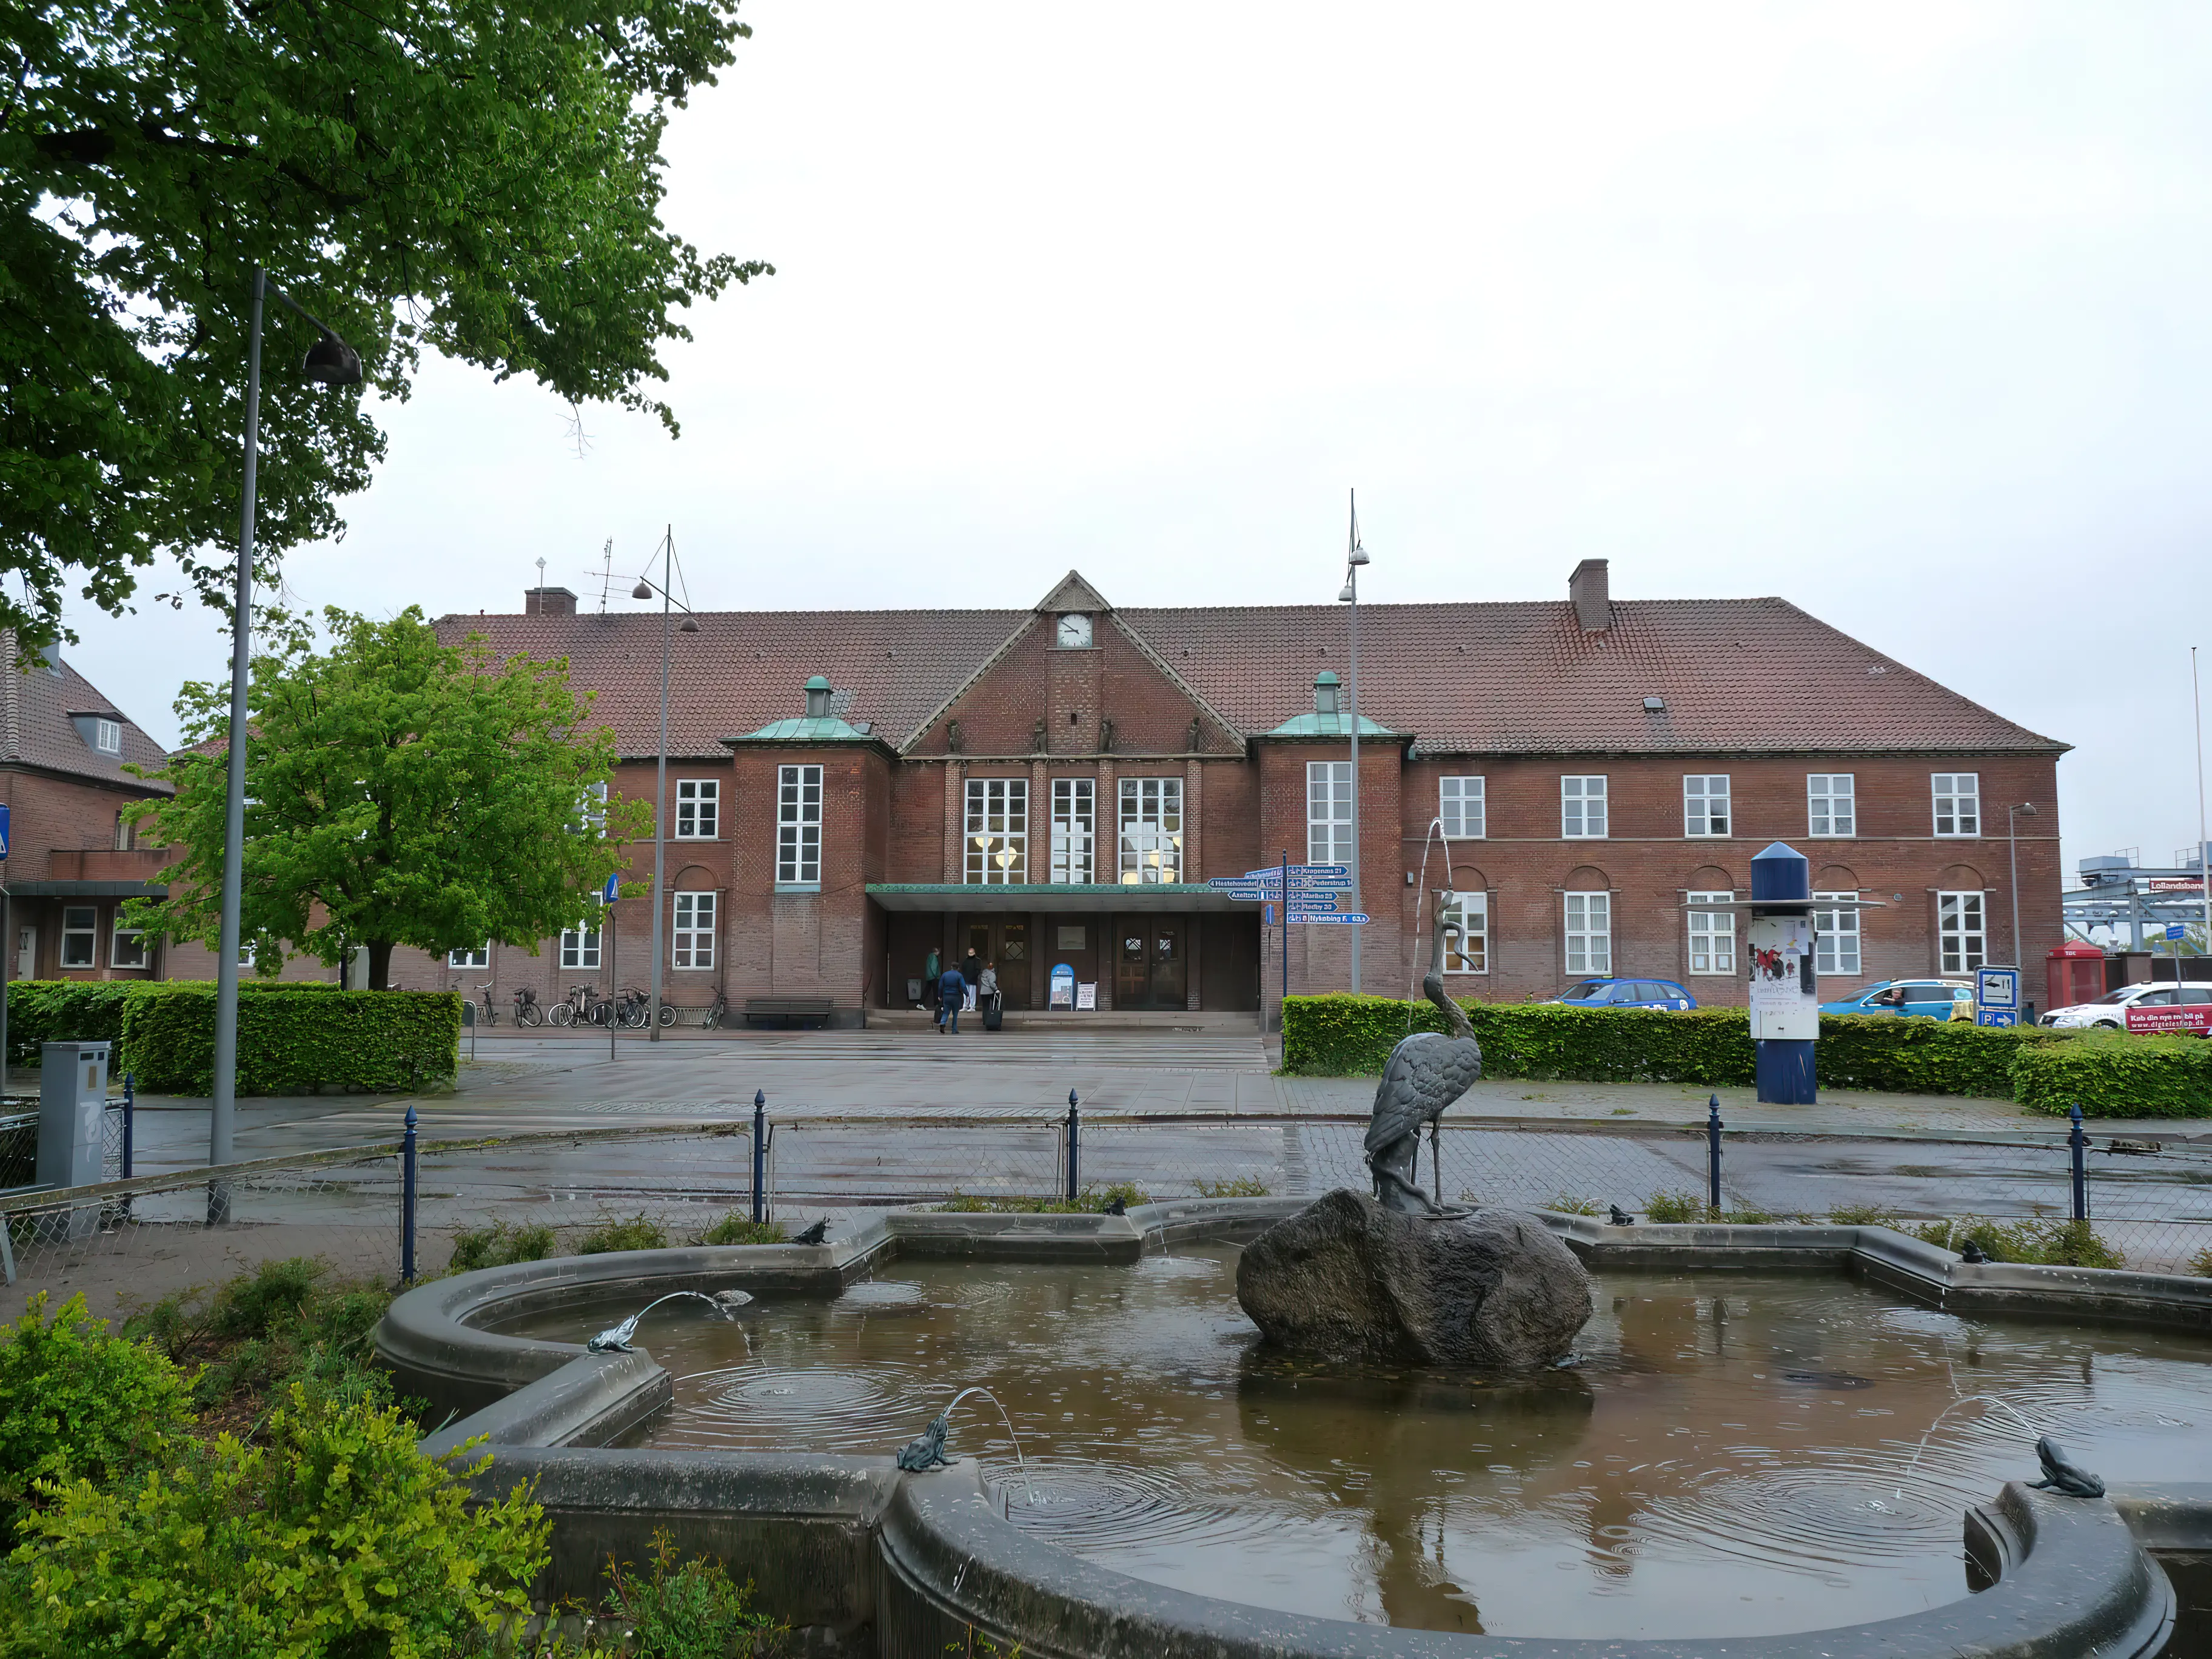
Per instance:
x=2146, y=1203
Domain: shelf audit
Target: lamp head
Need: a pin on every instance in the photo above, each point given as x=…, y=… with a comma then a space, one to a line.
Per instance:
x=1347, y=592
x=687, y=626
x=332, y=361
x=2027, y=811
x=642, y=591
x=1358, y=555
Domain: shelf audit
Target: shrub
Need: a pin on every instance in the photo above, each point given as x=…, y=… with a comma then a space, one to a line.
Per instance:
x=1566, y=1203
x=690, y=1610
x=1092, y=1202
x=1242, y=1187
x=281, y=1323
x=736, y=1229
x=1864, y=1215
x=2040, y=1243
x=43, y=1011
x=75, y=1402
x=500, y=1246
x=385, y=1042
x=2115, y=1075
x=2200, y=1263
x=1678, y=1208
x=338, y=1537
x=637, y=1232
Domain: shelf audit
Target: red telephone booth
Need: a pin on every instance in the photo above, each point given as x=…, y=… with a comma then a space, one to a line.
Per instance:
x=2073, y=973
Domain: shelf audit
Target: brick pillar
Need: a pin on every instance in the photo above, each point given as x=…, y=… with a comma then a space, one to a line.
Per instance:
x=1106, y=843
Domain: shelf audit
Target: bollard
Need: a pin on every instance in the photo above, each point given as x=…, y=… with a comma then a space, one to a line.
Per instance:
x=2079, y=1143
x=760, y=1149
x=1074, y=1144
x=407, y=1202
x=130, y=1107
x=1713, y=1154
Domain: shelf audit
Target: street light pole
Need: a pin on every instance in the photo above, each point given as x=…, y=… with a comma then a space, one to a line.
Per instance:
x=1355, y=556
x=330, y=362
x=669, y=605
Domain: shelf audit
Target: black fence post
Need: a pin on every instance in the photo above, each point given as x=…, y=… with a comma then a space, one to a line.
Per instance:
x=407, y=1202
x=1074, y=1145
x=2080, y=1143
x=760, y=1148
x=130, y=1108
x=1713, y=1153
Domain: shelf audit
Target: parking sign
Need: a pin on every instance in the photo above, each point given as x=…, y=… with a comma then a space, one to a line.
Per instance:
x=1997, y=996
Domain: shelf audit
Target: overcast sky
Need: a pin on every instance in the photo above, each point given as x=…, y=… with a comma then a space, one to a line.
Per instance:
x=1897, y=311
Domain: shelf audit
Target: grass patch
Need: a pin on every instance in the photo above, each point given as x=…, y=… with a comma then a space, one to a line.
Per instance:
x=501, y=1246
x=2200, y=1263
x=1675, y=1208
x=1864, y=1215
x=2040, y=1244
x=1242, y=1187
x=1566, y=1203
x=637, y=1232
x=736, y=1229
x=1093, y=1200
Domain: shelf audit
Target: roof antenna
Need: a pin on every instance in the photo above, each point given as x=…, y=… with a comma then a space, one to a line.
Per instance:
x=541, y=575
x=606, y=573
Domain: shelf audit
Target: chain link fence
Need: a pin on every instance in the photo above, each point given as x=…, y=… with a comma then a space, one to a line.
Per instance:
x=2147, y=1203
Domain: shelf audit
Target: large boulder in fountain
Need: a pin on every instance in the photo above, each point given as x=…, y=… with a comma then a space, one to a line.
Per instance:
x=1345, y=1278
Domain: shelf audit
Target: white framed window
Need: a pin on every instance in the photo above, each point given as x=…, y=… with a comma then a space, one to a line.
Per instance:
x=1831, y=805
x=1712, y=935
x=1590, y=934
x=580, y=946
x=479, y=957
x=1706, y=804
x=998, y=838
x=126, y=947
x=698, y=809
x=798, y=826
x=1582, y=808
x=1958, y=803
x=1459, y=806
x=1074, y=830
x=107, y=737
x=692, y=939
x=1960, y=939
x=1150, y=831
x=592, y=810
x=1466, y=934
x=1836, y=946
x=1328, y=812
x=80, y=932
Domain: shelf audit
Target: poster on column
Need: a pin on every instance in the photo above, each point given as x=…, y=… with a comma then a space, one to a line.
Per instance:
x=1784, y=1003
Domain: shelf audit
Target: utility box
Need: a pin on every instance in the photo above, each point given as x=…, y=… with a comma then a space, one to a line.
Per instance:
x=73, y=1120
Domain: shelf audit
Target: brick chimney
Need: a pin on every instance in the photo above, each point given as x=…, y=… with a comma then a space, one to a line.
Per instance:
x=560, y=602
x=1588, y=589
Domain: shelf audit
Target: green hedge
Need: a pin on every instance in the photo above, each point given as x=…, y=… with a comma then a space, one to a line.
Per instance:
x=2113, y=1075
x=2047, y=1071
x=385, y=1042
x=293, y=1037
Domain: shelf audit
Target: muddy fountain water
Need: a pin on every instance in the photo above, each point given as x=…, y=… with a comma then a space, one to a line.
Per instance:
x=1739, y=1454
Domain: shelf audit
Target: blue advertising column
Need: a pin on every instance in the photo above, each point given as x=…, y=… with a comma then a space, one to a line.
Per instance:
x=1785, y=1006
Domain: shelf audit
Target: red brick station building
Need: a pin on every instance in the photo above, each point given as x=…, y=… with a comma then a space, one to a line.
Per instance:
x=851, y=790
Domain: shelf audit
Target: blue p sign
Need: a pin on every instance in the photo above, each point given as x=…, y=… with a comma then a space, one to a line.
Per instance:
x=614, y=887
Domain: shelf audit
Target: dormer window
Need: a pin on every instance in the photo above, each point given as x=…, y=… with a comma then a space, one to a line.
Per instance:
x=1075, y=633
x=107, y=737
x=1325, y=693
x=817, y=698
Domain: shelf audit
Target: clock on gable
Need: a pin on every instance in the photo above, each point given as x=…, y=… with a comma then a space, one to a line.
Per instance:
x=1074, y=632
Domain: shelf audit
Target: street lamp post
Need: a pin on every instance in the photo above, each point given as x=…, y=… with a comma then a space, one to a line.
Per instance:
x=646, y=588
x=329, y=362
x=1355, y=556
x=2012, y=851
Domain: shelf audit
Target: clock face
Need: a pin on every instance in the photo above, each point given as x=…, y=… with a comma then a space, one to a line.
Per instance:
x=1075, y=632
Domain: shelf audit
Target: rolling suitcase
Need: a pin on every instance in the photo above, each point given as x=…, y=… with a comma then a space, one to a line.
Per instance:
x=991, y=1014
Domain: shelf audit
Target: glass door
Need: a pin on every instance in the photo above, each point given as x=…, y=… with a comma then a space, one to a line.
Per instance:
x=1168, y=974
x=1004, y=942
x=1149, y=958
x=1132, y=979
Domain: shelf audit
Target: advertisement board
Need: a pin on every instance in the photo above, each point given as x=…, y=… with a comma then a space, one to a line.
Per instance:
x=1784, y=1003
x=2194, y=1017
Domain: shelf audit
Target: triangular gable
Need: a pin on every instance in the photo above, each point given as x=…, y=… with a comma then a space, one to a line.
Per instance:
x=1144, y=650
x=906, y=744
x=1074, y=593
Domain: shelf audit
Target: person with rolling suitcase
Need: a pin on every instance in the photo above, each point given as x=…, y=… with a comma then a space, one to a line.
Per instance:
x=987, y=998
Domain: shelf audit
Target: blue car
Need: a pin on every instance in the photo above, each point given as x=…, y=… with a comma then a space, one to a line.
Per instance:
x=1925, y=999
x=1661, y=993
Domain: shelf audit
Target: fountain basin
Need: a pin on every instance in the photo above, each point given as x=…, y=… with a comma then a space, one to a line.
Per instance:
x=2026, y=1540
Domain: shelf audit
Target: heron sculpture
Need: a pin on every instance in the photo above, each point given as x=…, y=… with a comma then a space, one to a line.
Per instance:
x=1426, y=1072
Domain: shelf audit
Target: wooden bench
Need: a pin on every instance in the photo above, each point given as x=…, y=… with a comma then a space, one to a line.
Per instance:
x=786, y=1010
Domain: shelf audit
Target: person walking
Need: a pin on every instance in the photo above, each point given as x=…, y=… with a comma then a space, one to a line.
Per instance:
x=930, y=966
x=952, y=992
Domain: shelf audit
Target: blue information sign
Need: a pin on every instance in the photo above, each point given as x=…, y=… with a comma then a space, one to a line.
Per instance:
x=3, y=830
x=2177, y=930
x=614, y=886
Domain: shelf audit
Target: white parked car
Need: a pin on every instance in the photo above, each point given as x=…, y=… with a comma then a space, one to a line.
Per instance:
x=2110, y=1010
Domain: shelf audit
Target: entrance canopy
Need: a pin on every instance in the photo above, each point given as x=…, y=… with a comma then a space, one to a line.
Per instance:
x=1178, y=897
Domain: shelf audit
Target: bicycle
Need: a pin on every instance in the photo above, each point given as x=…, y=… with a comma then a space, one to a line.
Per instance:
x=714, y=1015
x=575, y=1004
x=488, y=1015
x=526, y=1011
x=632, y=1008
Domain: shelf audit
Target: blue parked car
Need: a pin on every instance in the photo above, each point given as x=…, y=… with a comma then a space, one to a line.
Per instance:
x=1927, y=998
x=1661, y=993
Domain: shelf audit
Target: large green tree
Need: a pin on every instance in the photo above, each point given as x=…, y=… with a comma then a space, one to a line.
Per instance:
x=480, y=177
x=400, y=791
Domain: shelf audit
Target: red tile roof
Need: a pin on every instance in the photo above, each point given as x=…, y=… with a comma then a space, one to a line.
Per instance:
x=1737, y=676
x=36, y=730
